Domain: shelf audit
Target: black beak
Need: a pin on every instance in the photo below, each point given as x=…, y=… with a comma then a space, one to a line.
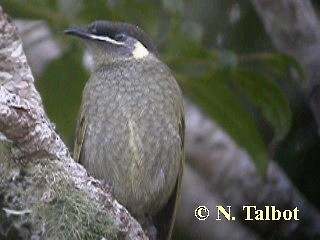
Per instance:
x=78, y=32
x=90, y=34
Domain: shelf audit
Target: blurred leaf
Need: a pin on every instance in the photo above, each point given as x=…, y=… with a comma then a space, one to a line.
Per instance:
x=215, y=97
x=267, y=95
x=173, y=6
x=194, y=30
x=277, y=63
x=95, y=10
x=61, y=90
x=70, y=8
x=53, y=4
x=178, y=45
x=36, y=10
x=227, y=58
x=137, y=13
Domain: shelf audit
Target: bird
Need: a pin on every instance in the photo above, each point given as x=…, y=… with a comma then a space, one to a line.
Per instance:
x=130, y=128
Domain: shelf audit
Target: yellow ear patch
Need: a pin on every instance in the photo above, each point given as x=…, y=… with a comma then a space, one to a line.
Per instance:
x=139, y=51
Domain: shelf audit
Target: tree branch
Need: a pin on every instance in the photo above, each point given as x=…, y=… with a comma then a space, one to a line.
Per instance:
x=294, y=29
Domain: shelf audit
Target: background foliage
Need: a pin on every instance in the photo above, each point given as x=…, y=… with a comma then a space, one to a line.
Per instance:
x=220, y=55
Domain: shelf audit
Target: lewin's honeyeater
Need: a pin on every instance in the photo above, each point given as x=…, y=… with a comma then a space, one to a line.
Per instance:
x=130, y=130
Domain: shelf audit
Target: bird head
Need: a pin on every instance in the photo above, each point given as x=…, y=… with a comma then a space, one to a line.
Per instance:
x=114, y=41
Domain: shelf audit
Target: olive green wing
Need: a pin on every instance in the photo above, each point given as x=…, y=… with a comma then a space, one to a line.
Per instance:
x=164, y=220
x=81, y=132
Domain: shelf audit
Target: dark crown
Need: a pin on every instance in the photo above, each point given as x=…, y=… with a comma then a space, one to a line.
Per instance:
x=111, y=29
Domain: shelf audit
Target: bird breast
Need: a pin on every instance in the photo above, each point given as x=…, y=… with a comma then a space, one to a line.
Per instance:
x=133, y=126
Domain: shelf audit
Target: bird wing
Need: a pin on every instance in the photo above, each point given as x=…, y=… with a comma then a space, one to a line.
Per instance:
x=80, y=137
x=164, y=220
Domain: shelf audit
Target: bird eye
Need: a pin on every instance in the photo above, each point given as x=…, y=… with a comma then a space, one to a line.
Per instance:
x=120, y=37
x=92, y=28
